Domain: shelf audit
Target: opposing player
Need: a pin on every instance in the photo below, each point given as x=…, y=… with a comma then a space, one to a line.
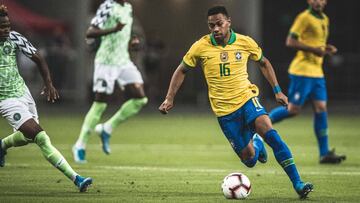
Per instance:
x=112, y=23
x=223, y=55
x=18, y=106
x=308, y=35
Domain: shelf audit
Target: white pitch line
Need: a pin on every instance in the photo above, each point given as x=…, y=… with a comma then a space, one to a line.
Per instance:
x=201, y=170
x=166, y=169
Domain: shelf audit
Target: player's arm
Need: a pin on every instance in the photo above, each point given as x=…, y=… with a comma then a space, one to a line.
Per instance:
x=94, y=31
x=49, y=90
x=31, y=52
x=269, y=73
x=135, y=40
x=293, y=42
x=176, y=81
x=299, y=27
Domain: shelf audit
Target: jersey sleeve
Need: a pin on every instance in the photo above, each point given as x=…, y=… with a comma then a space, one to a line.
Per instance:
x=22, y=44
x=255, y=50
x=102, y=14
x=298, y=26
x=191, y=57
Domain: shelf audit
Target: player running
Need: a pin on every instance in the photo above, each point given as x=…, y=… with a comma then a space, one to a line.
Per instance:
x=308, y=35
x=18, y=106
x=112, y=24
x=223, y=56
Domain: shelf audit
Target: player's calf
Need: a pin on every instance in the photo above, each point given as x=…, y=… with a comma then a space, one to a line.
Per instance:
x=258, y=141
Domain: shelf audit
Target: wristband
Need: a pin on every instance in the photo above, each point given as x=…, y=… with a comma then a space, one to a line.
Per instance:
x=276, y=89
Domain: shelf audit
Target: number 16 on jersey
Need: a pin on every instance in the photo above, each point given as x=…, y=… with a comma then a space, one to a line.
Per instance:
x=224, y=69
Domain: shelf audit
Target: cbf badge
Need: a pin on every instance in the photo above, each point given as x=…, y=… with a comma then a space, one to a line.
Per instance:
x=7, y=49
x=238, y=55
x=224, y=56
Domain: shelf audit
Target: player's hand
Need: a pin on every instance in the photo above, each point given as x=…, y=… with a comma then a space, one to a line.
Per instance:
x=330, y=49
x=50, y=92
x=281, y=98
x=135, y=43
x=319, y=51
x=119, y=26
x=166, y=106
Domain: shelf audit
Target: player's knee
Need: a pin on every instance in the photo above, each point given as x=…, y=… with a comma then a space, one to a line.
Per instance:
x=320, y=108
x=101, y=97
x=30, y=129
x=263, y=124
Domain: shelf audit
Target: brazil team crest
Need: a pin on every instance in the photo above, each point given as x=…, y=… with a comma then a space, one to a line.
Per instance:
x=238, y=56
x=224, y=56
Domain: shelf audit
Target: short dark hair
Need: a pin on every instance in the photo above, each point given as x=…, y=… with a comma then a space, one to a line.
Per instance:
x=3, y=11
x=216, y=10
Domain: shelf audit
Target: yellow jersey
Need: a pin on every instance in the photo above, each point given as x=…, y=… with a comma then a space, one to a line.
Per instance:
x=225, y=70
x=311, y=29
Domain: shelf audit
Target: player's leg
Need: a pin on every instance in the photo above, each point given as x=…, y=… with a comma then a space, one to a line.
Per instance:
x=239, y=136
x=280, y=113
x=321, y=125
x=129, y=78
x=104, y=81
x=22, y=115
x=299, y=89
x=282, y=154
x=137, y=99
x=32, y=131
x=16, y=139
x=91, y=119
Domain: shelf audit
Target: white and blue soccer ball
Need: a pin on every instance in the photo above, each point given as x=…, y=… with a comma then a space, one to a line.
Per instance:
x=236, y=186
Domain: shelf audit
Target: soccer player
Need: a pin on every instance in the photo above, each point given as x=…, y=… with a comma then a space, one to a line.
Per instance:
x=308, y=35
x=112, y=23
x=223, y=56
x=18, y=106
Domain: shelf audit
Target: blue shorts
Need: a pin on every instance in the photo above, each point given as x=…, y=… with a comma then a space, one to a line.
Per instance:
x=238, y=126
x=303, y=88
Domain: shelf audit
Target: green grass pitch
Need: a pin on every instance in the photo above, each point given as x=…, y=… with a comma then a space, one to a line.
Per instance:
x=178, y=158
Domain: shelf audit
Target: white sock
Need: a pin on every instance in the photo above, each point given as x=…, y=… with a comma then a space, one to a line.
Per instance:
x=107, y=128
x=80, y=144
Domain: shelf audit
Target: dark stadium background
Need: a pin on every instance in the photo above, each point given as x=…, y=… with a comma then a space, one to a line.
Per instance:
x=169, y=27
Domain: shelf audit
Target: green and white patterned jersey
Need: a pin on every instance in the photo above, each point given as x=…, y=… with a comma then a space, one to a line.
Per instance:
x=113, y=49
x=12, y=85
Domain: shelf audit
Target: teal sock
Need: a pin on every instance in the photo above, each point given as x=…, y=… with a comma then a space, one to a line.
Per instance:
x=16, y=139
x=91, y=119
x=283, y=155
x=53, y=155
x=321, y=131
x=128, y=109
x=278, y=114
